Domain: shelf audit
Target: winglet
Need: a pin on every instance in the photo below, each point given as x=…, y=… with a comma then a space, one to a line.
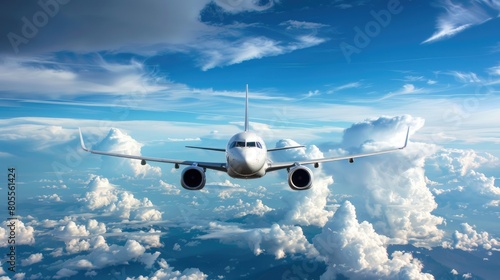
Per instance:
x=246, y=109
x=406, y=140
x=81, y=141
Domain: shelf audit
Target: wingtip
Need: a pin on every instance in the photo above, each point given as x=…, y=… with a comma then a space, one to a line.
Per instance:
x=407, y=136
x=81, y=140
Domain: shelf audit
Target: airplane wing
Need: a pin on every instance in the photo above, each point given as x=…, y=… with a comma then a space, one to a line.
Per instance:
x=283, y=165
x=207, y=148
x=285, y=148
x=208, y=165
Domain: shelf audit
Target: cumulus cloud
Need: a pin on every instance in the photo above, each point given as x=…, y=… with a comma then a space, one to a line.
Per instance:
x=108, y=198
x=76, y=245
x=396, y=198
x=119, y=142
x=72, y=230
x=277, y=240
x=468, y=239
x=307, y=208
x=169, y=188
x=53, y=197
x=103, y=256
x=65, y=273
x=241, y=209
x=167, y=272
x=32, y=259
x=460, y=16
x=355, y=250
x=25, y=235
x=465, y=186
x=79, y=238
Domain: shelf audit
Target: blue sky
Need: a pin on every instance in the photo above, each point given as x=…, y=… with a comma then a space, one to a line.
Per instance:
x=337, y=76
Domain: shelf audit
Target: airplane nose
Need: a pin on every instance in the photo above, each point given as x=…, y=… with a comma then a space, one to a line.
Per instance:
x=246, y=162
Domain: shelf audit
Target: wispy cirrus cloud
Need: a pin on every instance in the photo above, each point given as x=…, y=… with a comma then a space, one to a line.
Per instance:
x=404, y=90
x=295, y=24
x=344, y=87
x=46, y=77
x=459, y=17
x=222, y=52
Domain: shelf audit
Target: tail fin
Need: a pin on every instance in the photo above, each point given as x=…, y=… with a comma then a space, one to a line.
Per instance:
x=246, y=109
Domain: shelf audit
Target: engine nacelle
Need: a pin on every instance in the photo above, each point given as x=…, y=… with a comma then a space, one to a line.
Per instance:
x=193, y=178
x=300, y=178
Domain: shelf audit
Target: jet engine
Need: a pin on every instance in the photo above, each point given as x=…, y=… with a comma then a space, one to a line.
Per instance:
x=193, y=178
x=300, y=178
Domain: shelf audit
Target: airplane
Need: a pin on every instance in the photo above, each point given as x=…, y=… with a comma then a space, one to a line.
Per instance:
x=246, y=158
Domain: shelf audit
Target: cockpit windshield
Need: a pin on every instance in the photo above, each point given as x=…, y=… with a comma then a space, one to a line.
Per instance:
x=242, y=144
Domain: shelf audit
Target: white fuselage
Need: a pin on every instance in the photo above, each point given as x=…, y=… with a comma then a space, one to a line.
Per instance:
x=246, y=156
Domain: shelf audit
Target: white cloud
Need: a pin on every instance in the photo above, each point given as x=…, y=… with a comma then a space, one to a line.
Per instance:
x=464, y=185
x=53, y=197
x=468, y=239
x=404, y=90
x=459, y=17
x=95, y=227
x=65, y=273
x=76, y=245
x=177, y=247
x=295, y=24
x=57, y=80
x=145, y=214
x=25, y=235
x=345, y=86
x=36, y=136
x=277, y=240
x=109, y=199
x=71, y=230
x=241, y=209
x=169, y=188
x=494, y=70
x=222, y=53
x=119, y=142
x=396, y=198
x=32, y=259
x=103, y=256
x=167, y=272
x=355, y=250
x=308, y=207
x=463, y=77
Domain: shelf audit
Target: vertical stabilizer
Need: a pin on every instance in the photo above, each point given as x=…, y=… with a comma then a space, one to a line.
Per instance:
x=246, y=109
